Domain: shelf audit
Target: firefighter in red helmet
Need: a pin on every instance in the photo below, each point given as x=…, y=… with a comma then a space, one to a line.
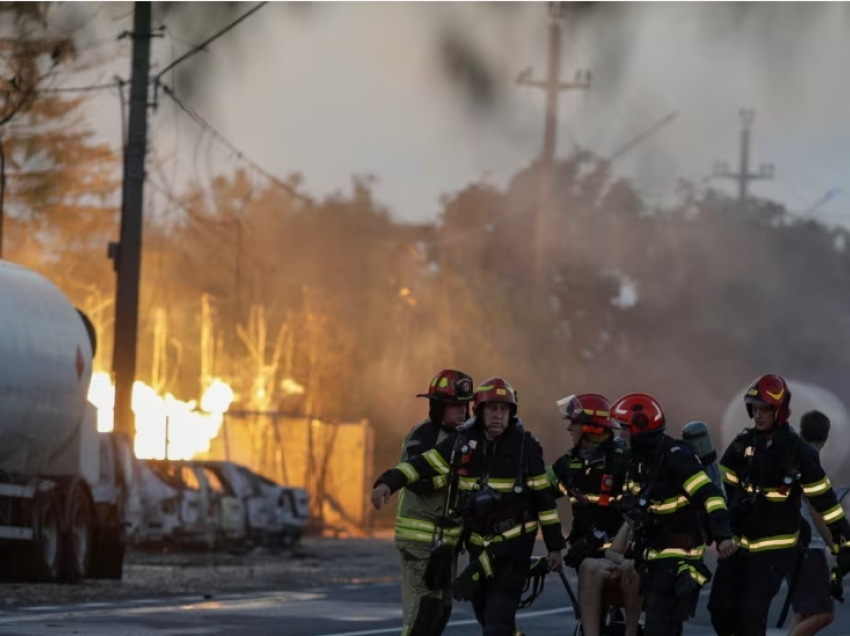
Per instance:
x=670, y=503
x=499, y=491
x=765, y=470
x=592, y=474
x=427, y=573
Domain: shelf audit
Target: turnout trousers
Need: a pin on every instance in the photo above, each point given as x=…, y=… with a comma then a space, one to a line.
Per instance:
x=495, y=602
x=425, y=612
x=666, y=610
x=744, y=586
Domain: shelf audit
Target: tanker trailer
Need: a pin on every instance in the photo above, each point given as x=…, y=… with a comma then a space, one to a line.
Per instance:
x=804, y=397
x=51, y=454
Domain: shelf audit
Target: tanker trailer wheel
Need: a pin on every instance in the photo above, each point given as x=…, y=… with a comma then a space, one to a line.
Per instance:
x=44, y=553
x=108, y=560
x=79, y=533
x=108, y=554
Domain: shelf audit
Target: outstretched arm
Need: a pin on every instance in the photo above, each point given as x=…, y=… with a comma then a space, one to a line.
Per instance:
x=430, y=464
x=416, y=443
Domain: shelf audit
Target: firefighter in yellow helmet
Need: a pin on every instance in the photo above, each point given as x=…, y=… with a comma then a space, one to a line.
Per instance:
x=428, y=554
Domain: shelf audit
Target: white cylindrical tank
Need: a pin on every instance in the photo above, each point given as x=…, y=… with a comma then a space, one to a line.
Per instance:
x=45, y=370
x=804, y=397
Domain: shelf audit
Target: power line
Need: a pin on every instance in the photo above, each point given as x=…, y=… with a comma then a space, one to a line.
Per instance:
x=77, y=89
x=204, y=124
x=208, y=41
x=642, y=136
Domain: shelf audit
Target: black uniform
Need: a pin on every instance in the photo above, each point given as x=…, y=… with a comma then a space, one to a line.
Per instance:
x=764, y=478
x=504, y=497
x=672, y=503
x=593, y=480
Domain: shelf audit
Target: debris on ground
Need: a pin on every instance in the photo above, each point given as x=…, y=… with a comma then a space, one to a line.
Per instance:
x=315, y=562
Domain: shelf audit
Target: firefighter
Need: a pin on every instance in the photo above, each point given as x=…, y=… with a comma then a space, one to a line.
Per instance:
x=592, y=474
x=765, y=471
x=671, y=500
x=426, y=572
x=499, y=488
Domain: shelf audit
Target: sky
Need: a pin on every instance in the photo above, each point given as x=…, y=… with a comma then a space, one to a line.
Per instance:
x=333, y=90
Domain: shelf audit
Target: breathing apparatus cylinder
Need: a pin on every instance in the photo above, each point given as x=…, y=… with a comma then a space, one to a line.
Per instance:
x=698, y=437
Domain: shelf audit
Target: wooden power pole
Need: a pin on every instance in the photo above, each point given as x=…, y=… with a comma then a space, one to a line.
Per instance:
x=552, y=86
x=127, y=253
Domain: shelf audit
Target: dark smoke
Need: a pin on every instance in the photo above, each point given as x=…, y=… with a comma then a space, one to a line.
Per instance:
x=774, y=43
x=778, y=36
x=467, y=68
x=194, y=22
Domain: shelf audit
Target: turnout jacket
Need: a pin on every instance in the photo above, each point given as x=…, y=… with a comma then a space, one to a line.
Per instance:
x=594, y=486
x=421, y=502
x=511, y=465
x=681, y=500
x=764, y=477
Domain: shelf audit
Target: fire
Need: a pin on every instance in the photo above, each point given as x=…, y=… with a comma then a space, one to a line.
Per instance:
x=291, y=387
x=189, y=428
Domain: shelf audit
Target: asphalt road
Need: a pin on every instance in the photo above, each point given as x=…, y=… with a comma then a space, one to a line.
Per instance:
x=352, y=610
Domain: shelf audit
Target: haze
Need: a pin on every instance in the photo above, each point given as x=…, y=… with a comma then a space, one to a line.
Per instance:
x=335, y=90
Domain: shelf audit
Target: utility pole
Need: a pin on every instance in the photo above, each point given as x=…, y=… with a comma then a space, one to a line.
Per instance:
x=743, y=177
x=552, y=86
x=127, y=253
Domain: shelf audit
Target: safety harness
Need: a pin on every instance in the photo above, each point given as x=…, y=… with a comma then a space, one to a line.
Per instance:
x=469, y=579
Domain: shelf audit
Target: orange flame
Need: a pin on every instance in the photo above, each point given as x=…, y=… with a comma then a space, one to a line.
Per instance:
x=190, y=429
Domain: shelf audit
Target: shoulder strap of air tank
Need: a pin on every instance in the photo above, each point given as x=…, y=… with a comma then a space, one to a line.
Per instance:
x=659, y=456
x=522, y=463
x=741, y=443
x=790, y=460
x=617, y=458
x=459, y=448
